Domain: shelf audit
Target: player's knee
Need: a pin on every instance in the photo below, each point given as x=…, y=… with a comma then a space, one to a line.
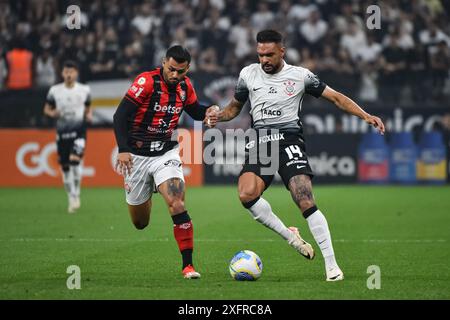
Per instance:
x=176, y=205
x=74, y=159
x=140, y=224
x=140, y=215
x=248, y=194
x=74, y=162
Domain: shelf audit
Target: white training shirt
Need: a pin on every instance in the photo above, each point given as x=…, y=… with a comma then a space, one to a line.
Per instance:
x=71, y=103
x=276, y=99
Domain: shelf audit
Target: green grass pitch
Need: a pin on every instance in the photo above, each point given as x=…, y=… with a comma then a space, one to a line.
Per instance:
x=403, y=230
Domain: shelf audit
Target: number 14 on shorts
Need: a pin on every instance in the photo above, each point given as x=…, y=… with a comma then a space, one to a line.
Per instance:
x=293, y=149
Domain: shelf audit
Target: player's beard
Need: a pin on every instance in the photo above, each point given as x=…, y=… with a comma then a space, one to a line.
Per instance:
x=270, y=68
x=173, y=83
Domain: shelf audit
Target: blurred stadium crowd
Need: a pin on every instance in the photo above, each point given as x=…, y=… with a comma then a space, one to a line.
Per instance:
x=407, y=59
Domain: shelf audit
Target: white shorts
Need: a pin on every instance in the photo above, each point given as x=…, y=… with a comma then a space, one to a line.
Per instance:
x=148, y=173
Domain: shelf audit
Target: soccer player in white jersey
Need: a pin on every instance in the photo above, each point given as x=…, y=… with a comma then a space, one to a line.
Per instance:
x=69, y=103
x=275, y=91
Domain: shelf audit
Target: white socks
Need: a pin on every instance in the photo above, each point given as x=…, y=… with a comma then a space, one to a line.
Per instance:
x=76, y=174
x=262, y=212
x=319, y=229
x=68, y=182
x=72, y=181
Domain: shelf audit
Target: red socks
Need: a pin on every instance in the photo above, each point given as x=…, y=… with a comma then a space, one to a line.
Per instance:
x=184, y=234
x=183, y=231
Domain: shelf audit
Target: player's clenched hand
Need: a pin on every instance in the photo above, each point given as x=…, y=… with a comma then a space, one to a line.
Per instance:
x=89, y=117
x=375, y=122
x=211, y=116
x=53, y=113
x=124, y=163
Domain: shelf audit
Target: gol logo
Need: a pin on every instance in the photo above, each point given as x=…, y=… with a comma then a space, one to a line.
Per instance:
x=33, y=162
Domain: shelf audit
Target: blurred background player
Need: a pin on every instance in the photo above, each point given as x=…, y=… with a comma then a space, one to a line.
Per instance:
x=275, y=91
x=144, y=126
x=69, y=103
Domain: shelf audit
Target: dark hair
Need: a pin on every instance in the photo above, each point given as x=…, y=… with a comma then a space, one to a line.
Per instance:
x=269, y=35
x=18, y=43
x=179, y=54
x=70, y=64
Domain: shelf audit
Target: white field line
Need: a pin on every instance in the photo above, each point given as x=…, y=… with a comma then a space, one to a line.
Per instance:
x=214, y=240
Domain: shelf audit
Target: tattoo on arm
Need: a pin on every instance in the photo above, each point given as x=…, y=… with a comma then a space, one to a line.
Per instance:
x=175, y=187
x=231, y=110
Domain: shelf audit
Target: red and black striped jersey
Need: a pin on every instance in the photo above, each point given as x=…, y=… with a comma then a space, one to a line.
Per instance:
x=159, y=107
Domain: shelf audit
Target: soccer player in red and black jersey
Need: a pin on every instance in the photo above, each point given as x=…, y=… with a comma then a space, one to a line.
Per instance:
x=144, y=124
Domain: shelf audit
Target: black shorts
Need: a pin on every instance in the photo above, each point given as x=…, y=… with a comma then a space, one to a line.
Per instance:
x=68, y=143
x=288, y=158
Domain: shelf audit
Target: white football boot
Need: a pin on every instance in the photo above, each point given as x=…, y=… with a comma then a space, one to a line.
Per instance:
x=303, y=247
x=77, y=203
x=335, y=274
x=72, y=205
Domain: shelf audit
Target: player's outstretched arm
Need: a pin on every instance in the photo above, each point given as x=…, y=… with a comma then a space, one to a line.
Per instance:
x=230, y=111
x=348, y=105
x=203, y=113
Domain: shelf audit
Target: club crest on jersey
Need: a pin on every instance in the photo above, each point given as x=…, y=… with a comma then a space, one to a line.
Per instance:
x=182, y=95
x=141, y=81
x=139, y=144
x=289, y=87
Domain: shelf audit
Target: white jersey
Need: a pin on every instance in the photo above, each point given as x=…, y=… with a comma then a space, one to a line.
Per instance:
x=276, y=99
x=71, y=103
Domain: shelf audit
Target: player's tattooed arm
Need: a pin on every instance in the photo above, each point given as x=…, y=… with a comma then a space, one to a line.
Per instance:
x=348, y=105
x=231, y=110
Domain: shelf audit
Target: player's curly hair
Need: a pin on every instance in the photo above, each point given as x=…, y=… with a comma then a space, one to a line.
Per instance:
x=269, y=35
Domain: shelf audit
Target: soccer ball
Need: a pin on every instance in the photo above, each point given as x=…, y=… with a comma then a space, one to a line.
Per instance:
x=246, y=266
